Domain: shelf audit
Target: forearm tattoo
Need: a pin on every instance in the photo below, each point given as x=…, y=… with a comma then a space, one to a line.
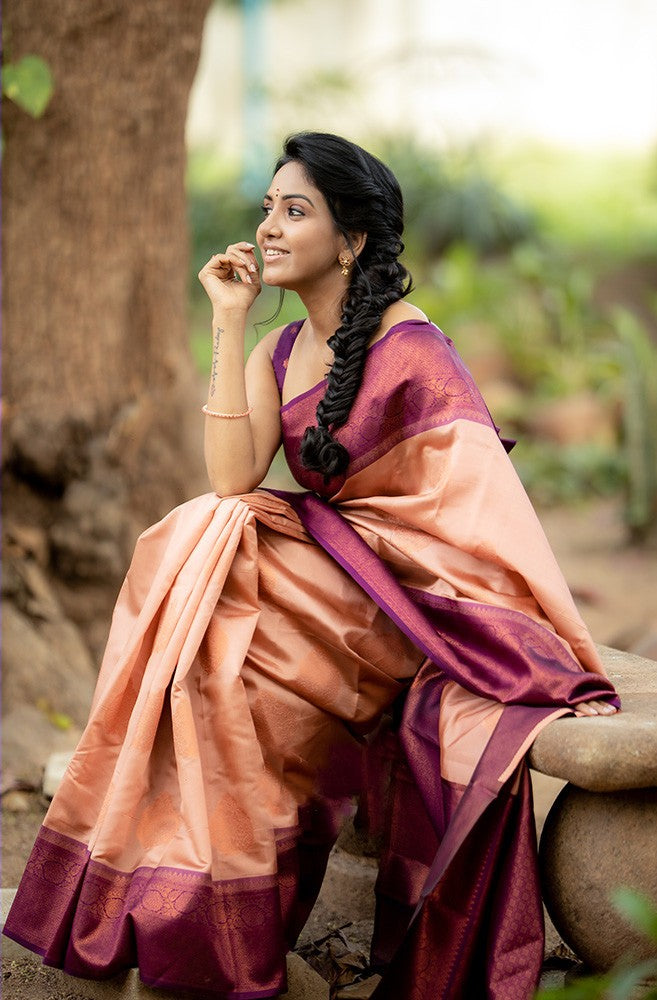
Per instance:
x=215, y=359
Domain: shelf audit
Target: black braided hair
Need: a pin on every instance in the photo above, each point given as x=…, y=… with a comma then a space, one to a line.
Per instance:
x=363, y=196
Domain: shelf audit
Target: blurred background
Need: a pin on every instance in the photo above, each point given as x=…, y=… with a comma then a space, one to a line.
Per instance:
x=524, y=136
x=139, y=138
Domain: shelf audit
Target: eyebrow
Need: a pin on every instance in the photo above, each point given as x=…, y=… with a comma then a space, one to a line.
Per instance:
x=287, y=197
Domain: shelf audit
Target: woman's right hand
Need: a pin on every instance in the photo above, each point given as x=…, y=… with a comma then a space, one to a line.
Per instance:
x=232, y=279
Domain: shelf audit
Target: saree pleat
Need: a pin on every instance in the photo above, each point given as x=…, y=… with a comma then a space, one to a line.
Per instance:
x=256, y=645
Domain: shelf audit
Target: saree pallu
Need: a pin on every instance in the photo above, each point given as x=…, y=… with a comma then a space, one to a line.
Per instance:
x=256, y=642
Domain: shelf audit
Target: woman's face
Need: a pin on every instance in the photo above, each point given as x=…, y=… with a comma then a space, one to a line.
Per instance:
x=298, y=238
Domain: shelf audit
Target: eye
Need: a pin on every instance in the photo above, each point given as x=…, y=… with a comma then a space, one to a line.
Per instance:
x=295, y=212
x=266, y=209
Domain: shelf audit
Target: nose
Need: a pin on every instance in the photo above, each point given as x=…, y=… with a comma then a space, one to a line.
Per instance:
x=270, y=225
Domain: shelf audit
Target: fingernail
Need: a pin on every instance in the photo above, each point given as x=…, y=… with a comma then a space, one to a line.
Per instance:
x=250, y=245
x=252, y=267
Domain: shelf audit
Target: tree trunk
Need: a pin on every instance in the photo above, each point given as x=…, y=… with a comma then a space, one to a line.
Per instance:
x=102, y=429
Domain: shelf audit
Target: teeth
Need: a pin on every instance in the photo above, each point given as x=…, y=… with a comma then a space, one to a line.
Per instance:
x=274, y=253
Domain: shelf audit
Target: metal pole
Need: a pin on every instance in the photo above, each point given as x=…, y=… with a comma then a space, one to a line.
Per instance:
x=255, y=173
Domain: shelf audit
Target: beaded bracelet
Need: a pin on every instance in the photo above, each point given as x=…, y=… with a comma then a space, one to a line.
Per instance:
x=226, y=416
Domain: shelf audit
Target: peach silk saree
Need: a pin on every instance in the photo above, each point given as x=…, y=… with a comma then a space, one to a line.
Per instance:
x=256, y=645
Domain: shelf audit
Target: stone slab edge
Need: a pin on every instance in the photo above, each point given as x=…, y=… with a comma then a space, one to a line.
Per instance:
x=607, y=754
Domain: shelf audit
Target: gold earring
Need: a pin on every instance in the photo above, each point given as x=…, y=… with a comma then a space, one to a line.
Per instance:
x=345, y=263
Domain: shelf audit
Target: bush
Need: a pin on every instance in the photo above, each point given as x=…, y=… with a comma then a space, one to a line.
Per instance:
x=447, y=203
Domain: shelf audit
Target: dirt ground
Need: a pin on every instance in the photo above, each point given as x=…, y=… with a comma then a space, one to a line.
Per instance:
x=615, y=587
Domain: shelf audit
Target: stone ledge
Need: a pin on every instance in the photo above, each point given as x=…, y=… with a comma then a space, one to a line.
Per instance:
x=607, y=754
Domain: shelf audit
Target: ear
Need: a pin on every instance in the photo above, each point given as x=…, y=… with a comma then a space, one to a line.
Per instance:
x=356, y=243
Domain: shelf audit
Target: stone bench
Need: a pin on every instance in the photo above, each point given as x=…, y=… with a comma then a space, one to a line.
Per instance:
x=601, y=831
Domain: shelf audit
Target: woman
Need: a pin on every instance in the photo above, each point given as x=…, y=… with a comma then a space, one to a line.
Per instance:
x=258, y=638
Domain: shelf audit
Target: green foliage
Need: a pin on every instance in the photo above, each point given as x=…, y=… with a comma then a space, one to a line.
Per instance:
x=555, y=473
x=627, y=980
x=605, y=205
x=639, y=358
x=534, y=300
x=29, y=84
x=448, y=203
x=535, y=311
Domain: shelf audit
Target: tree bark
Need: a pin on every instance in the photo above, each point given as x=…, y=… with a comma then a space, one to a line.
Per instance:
x=100, y=395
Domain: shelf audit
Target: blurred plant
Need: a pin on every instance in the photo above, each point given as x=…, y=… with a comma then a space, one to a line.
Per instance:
x=625, y=981
x=534, y=310
x=28, y=83
x=448, y=203
x=555, y=473
x=639, y=359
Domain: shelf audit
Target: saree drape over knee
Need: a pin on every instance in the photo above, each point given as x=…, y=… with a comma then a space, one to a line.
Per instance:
x=256, y=641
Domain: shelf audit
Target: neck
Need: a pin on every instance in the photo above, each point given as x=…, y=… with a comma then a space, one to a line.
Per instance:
x=324, y=310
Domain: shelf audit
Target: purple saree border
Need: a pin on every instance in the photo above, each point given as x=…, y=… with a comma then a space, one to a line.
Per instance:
x=100, y=921
x=440, y=635
x=285, y=345
x=423, y=385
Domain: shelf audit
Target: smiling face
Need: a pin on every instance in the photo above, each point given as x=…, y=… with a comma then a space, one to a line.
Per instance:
x=298, y=238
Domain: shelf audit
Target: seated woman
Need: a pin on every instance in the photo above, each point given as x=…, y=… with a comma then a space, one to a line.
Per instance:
x=261, y=637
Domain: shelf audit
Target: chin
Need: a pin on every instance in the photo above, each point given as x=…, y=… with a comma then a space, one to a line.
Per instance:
x=277, y=283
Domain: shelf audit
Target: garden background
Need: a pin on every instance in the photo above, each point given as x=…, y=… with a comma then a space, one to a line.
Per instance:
x=524, y=136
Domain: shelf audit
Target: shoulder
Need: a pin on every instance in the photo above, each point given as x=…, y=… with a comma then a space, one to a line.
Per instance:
x=274, y=345
x=395, y=315
x=398, y=312
x=268, y=344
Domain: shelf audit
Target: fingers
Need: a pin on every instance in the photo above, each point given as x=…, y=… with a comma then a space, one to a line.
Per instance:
x=238, y=261
x=595, y=707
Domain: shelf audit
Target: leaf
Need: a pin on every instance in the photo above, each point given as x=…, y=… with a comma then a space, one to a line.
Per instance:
x=625, y=981
x=638, y=909
x=61, y=721
x=591, y=988
x=29, y=84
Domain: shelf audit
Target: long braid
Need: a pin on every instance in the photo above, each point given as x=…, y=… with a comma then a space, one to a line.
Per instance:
x=363, y=197
x=371, y=290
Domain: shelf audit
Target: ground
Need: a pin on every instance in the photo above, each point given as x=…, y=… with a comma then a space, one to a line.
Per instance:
x=614, y=586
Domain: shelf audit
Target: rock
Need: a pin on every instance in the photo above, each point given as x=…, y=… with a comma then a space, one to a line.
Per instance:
x=15, y=801
x=83, y=555
x=54, y=772
x=45, y=661
x=613, y=753
x=28, y=740
x=38, y=599
x=591, y=844
x=601, y=835
x=93, y=535
x=347, y=895
x=49, y=451
x=603, y=754
x=303, y=983
x=30, y=540
x=359, y=991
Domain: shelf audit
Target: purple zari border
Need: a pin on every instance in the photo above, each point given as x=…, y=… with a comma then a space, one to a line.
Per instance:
x=495, y=652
